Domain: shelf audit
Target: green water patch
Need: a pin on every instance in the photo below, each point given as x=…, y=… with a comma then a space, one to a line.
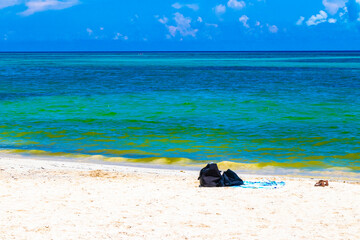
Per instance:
x=124, y=152
x=92, y=134
x=275, y=149
x=183, y=150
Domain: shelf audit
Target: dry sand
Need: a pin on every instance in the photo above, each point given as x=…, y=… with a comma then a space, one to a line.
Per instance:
x=67, y=200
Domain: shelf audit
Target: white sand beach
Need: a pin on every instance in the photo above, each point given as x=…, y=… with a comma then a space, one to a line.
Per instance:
x=68, y=200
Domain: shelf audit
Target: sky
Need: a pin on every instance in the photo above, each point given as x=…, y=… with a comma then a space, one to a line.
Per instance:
x=171, y=25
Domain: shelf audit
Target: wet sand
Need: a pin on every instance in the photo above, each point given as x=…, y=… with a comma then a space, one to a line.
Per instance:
x=68, y=200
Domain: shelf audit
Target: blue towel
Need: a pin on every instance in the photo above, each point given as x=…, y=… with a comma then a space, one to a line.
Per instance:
x=262, y=184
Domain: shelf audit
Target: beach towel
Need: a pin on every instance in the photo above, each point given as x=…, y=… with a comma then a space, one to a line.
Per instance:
x=267, y=184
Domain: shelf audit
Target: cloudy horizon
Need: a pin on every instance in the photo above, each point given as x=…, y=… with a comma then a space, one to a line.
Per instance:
x=30, y=25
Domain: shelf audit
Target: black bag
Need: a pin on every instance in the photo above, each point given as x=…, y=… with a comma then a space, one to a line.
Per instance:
x=232, y=179
x=210, y=176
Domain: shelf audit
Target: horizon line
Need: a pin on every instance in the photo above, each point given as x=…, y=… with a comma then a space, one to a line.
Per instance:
x=175, y=51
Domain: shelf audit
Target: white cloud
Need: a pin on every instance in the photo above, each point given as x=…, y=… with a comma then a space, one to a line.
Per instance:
x=172, y=30
x=243, y=19
x=163, y=20
x=199, y=19
x=300, y=21
x=192, y=6
x=273, y=28
x=332, y=6
x=358, y=1
x=316, y=19
x=236, y=4
x=211, y=25
x=332, y=20
x=34, y=6
x=8, y=3
x=220, y=9
x=177, y=5
x=89, y=31
x=183, y=26
x=119, y=36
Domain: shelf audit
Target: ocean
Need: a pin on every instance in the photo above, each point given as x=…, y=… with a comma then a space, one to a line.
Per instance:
x=288, y=110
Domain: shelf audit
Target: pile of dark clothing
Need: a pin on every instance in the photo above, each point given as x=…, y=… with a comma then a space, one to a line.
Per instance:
x=210, y=176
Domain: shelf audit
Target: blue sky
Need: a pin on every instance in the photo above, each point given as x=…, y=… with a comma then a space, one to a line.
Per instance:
x=139, y=25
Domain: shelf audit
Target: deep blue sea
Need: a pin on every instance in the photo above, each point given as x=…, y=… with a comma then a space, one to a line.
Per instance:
x=292, y=110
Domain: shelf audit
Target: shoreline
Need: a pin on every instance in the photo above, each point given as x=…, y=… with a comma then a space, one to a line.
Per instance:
x=331, y=174
x=74, y=200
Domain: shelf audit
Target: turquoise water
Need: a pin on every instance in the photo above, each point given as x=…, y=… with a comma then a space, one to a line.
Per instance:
x=281, y=109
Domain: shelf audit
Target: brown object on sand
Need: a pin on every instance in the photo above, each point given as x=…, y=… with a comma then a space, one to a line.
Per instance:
x=322, y=183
